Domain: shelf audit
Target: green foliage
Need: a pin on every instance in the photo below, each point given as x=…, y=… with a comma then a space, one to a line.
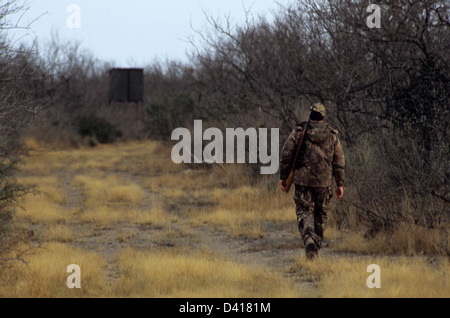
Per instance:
x=10, y=190
x=100, y=128
x=422, y=105
x=169, y=112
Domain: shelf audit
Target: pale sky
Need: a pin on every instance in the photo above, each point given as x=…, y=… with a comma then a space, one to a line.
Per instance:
x=134, y=33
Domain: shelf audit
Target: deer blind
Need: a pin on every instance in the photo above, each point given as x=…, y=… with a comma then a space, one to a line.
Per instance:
x=126, y=85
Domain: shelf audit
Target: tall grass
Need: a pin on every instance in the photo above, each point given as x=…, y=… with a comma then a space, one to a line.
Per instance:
x=132, y=193
x=401, y=277
x=46, y=274
x=190, y=274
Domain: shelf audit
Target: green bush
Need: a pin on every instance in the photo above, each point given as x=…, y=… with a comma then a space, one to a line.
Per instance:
x=100, y=128
x=10, y=190
x=168, y=112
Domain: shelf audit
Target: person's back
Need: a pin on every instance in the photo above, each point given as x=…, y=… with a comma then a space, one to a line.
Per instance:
x=322, y=159
x=322, y=156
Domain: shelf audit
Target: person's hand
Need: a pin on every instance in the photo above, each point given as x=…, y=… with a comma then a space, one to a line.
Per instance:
x=339, y=192
x=283, y=185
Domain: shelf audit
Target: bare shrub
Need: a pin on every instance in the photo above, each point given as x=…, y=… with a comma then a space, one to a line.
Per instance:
x=22, y=98
x=386, y=91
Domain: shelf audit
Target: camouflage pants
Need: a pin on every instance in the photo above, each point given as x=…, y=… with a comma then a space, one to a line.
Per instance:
x=311, y=209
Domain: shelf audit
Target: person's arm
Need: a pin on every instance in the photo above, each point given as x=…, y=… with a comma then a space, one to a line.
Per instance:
x=339, y=192
x=287, y=156
x=339, y=168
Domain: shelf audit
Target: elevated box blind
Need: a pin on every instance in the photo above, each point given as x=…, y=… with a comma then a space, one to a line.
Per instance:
x=126, y=85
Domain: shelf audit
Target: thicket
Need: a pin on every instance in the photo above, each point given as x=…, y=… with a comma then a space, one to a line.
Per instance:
x=22, y=97
x=386, y=90
x=98, y=129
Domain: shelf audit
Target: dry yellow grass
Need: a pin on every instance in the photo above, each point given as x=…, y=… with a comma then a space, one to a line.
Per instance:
x=47, y=274
x=400, y=277
x=59, y=233
x=131, y=193
x=407, y=239
x=37, y=208
x=136, y=194
x=49, y=186
x=237, y=222
x=100, y=190
x=242, y=210
x=187, y=274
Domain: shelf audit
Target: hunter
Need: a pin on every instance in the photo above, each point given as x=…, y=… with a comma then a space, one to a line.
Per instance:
x=321, y=159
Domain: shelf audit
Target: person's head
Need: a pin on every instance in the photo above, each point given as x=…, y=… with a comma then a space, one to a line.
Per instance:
x=318, y=112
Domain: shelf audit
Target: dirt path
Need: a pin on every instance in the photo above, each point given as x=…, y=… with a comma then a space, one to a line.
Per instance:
x=276, y=247
x=278, y=250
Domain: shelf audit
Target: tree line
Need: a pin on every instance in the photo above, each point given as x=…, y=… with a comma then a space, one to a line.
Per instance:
x=386, y=90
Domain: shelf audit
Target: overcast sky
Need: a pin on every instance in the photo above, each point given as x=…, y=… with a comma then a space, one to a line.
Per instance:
x=134, y=33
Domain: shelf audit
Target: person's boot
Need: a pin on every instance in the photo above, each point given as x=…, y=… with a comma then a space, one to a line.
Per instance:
x=311, y=248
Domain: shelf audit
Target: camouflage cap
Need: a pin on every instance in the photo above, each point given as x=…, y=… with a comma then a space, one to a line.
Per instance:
x=318, y=107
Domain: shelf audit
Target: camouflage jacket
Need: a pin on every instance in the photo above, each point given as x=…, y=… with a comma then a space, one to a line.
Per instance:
x=323, y=156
